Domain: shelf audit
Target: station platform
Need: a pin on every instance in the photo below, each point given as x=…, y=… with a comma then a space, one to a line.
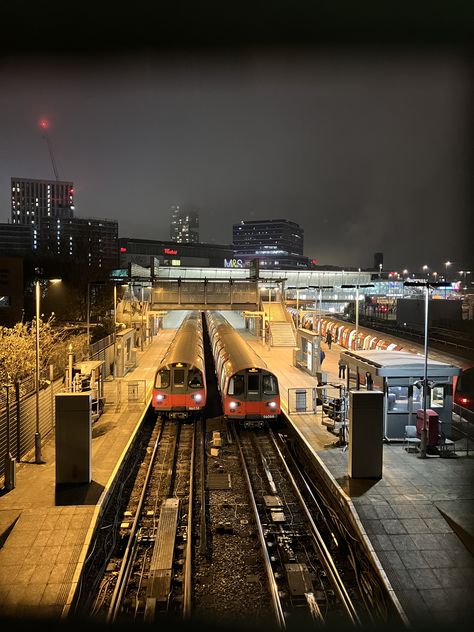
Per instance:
x=45, y=536
x=417, y=521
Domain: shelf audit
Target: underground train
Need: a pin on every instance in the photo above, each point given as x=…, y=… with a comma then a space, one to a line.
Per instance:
x=249, y=391
x=179, y=390
x=345, y=334
x=464, y=390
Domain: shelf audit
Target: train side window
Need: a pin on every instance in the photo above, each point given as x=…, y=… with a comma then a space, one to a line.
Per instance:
x=253, y=384
x=162, y=379
x=178, y=377
x=236, y=385
x=195, y=379
x=270, y=385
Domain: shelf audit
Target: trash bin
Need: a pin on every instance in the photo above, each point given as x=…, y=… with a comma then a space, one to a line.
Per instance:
x=432, y=424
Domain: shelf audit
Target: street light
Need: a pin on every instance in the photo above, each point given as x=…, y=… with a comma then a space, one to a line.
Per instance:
x=357, y=286
x=38, y=455
x=320, y=301
x=424, y=430
x=446, y=264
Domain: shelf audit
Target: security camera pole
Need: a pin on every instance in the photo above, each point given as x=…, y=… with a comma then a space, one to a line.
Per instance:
x=424, y=430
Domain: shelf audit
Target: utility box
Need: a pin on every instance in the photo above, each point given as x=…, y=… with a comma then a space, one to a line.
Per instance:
x=432, y=425
x=365, y=434
x=73, y=438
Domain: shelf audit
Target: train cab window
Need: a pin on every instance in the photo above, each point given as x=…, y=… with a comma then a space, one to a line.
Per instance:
x=253, y=384
x=437, y=397
x=178, y=377
x=236, y=385
x=270, y=386
x=195, y=379
x=162, y=379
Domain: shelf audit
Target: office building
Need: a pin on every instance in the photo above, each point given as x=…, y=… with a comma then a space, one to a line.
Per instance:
x=184, y=226
x=276, y=243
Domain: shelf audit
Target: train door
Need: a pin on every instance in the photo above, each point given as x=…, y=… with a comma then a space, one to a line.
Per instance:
x=179, y=379
x=253, y=385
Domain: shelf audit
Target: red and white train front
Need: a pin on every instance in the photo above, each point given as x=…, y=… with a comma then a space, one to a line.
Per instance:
x=179, y=390
x=249, y=391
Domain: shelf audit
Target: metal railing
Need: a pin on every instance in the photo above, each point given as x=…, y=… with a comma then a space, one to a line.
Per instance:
x=462, y=429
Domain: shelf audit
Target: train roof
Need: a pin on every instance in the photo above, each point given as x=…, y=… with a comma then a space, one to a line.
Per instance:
x=240, y=354
x=187, y=346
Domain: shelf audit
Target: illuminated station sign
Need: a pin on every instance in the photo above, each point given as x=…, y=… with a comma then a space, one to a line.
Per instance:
x=170, y=251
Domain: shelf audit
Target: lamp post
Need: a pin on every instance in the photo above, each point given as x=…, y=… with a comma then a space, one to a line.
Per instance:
x=38, y=455
x=357, y=286
x=115, y=330
x=426, y=269
x=10, y=473
x=424, y=430
x=446, y=264
x=320, y=303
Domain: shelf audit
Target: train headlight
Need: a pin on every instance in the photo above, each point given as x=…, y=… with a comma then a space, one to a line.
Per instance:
x=160, y=397
x=197, y=397
x=233, y=405
x=272, y=404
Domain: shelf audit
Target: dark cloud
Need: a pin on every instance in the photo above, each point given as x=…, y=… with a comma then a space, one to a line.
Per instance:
x=367, y=152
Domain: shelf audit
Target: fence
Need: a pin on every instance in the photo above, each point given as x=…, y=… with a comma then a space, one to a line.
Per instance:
x=23, y=420
x=329, y=401
x=125, y=392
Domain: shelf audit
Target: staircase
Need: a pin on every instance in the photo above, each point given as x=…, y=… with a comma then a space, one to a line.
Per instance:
x=282, y=334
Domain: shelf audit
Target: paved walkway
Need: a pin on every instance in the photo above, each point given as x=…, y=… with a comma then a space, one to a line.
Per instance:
x=418, y=519
x=45, y=535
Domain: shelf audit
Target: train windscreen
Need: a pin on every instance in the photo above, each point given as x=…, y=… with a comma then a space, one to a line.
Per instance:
x=270, y=385
x=195, y=379
x=162, y=379
x=237, y=385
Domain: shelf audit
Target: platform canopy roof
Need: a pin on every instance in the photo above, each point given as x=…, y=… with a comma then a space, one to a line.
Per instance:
x=399, y=364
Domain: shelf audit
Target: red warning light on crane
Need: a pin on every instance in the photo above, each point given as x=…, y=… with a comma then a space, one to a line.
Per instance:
x=44, y=124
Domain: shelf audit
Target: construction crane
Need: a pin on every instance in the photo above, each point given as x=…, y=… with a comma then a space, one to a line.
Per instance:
x=44, y=124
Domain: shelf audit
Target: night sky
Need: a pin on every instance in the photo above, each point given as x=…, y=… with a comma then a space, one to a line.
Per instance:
x=366, y=151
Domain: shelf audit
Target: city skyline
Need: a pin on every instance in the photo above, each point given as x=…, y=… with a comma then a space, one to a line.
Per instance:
x=365, y=155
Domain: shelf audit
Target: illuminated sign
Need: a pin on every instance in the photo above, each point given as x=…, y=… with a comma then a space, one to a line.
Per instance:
x=314, y=262
x=169, y=251
x=123, y=249
x=233, y=263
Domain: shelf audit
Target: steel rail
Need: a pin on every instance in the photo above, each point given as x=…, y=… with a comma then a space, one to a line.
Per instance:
x=129, y=555
x=326, y=557
x=188, y=561
x=279, y=615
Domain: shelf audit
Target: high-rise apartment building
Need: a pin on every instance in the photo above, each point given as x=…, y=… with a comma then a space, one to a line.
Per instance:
x=39, y=203
x=47, y=208
x=276, y=242
x=184, y=226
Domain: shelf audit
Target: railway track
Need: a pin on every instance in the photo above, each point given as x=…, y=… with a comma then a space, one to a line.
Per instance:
x=147, y=572
x=308, y=583
x=222, y=526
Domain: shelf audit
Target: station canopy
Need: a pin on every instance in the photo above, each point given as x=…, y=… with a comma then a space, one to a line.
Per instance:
x=399, y=364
